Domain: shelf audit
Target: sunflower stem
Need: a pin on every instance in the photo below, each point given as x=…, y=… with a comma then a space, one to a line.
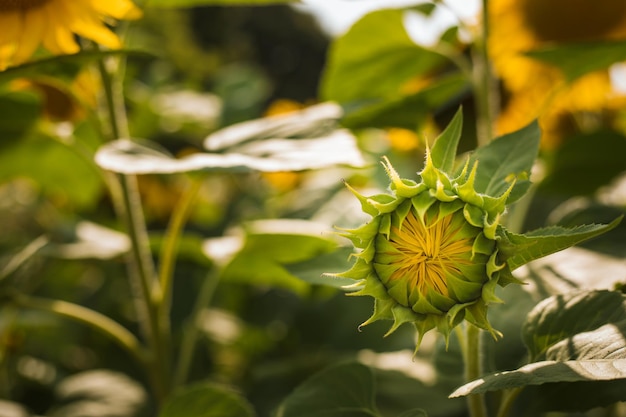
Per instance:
x=484, y=91
x=473, y=369
x=141, y=271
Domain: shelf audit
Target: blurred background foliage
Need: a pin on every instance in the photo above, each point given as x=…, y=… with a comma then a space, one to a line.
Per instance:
x=272, y=322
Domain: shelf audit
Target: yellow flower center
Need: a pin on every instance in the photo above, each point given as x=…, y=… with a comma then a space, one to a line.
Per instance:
x=426, y=253
x=13, y=5
x=574, y=20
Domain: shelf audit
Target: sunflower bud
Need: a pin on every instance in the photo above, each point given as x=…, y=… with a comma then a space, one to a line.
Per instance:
x=429, y=256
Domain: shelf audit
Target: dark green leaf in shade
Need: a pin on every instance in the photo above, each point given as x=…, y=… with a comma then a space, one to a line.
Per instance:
x=584, y=163
x=344, y=390
x=558, y=327
x=519, y=249
x=544, y=372
x=504, y=159
x=176, y=4
x=443, y=152
x=405, y=111
x=578, y=339
x=374, y=59
x=580, y=58
x=206, y=400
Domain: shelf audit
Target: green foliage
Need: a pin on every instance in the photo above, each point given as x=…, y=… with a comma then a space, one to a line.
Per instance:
x=345, y=390
x=580, y=58
x=506, y=159
x=205, y=400
x=572, y=338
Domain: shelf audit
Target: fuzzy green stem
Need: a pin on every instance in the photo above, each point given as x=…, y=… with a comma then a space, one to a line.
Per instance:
x=484, y=91
x=190, y=335
x=473, y=369
x=171, y=241
x=141, y=268
x=97, y=321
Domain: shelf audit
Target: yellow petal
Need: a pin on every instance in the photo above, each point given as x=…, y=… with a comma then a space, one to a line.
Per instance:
x=119, y=9
x=11, y=24
x=30, y=38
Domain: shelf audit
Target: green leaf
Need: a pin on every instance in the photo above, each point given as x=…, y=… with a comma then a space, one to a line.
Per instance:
x=406, y=111
x=579, y=339
x=206, y=400
x=274, y=155
x=443, y=153
x=57, y=169
x=519, y=249
x=558, y=327
x=544, y=372
x=374, y=59
x=195, y=3
x=509, y=156
x=580, y=58
x=345, y=390
x=270, y=246
x=64, y=66
x=582, y=164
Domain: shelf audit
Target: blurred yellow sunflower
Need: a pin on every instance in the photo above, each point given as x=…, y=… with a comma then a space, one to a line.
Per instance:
x=537, y=90
x=27, y=24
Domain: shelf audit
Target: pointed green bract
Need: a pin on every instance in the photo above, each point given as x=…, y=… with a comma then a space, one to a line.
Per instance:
x=435, y=251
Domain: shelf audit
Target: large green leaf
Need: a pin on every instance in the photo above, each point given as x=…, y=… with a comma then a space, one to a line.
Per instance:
x=507, y=157
x=54, y=167
x=519, y=249
x=195, y=3
x=406, y=111
x=580, y=58
x=579, y=340
x=206, y=400
x=558, y=327
x=272, y=155
x=374, y=59
x=544, y=372
x=345, y=390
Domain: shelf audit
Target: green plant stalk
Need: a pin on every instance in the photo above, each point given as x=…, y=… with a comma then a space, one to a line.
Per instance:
x=473, y=369
x=484, y=91
x=141, y=268
x=169, y=251
x=190, y=335
x=98, y=321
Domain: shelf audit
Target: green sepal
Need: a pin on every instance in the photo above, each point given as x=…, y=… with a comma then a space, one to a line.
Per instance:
x=366, y=205
x=422, y=202
x=361, y=236
x=401, y=187
x=466, y=190
x=359, y=270
x=474, y=215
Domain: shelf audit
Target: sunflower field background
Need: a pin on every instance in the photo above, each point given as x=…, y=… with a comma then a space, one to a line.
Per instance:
x=174, y=207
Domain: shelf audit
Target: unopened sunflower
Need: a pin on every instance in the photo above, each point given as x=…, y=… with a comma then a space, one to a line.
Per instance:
x=435, y=250
x=28, y=24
